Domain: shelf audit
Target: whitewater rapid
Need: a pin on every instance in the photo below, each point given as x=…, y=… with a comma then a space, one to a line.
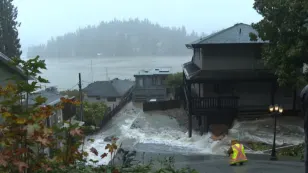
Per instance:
x=160, y=133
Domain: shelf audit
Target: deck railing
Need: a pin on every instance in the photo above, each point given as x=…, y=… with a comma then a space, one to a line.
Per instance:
x=221, y=102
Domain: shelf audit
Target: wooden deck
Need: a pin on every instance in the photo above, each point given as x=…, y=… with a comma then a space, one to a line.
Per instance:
x=206, y=104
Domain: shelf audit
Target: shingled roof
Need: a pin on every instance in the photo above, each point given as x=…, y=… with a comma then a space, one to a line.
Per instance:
x=113, y=88
x=237, y=34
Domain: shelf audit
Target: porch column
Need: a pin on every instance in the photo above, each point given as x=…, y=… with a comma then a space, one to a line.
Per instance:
x=200, y=124
x=189, y=109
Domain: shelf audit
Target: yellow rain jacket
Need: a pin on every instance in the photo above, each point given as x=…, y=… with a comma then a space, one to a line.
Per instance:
x=238, y=155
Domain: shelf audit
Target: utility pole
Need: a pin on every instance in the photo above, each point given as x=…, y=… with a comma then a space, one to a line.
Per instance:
x=92, y=71
x=81, y=99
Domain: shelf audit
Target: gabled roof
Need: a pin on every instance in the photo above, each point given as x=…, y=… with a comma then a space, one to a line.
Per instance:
x=237, y=34
x=51, y=94
x=6, y=61
x=113, y=88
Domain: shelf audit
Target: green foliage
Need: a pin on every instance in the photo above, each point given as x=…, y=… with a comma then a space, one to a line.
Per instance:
x=133, y=37
x=284, y=25
x=259, y=146
x=24, y=135
x=175, y=80
x=296, y=151
x=94, y=113
x=9, y=41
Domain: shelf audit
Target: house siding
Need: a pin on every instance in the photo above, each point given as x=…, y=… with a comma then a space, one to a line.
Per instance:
x=6, y=73
x=197, y=57
x=229, y=57
x=103, y=100
x=145, y=88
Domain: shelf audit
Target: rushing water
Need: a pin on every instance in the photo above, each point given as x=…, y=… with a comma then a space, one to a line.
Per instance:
x=157, y=132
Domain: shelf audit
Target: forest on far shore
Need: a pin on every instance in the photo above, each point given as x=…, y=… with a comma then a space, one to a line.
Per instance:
x=132, y=37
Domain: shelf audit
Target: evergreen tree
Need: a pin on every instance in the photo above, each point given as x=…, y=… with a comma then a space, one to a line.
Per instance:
x=9, y=41
x=131, y=37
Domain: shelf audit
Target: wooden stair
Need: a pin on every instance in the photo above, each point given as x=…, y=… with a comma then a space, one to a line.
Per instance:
x=252, y=115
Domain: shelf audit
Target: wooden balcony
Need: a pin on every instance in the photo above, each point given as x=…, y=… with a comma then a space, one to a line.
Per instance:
x=203, y=104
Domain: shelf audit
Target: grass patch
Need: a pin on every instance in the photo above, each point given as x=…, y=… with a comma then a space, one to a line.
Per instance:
x=259, y=146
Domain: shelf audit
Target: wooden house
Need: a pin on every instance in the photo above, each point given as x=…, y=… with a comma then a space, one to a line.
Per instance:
x=226, y=78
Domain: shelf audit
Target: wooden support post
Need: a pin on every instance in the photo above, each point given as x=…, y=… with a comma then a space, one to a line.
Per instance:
x=205, y=126
x=199, y=94
x=200, y=125
x=189, y=110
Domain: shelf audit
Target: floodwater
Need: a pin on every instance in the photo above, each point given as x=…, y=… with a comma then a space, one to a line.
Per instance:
x=63, y=72
x=159, y=133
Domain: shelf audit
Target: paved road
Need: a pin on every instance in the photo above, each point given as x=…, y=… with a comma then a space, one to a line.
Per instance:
x=253, y=166
x=219, y=164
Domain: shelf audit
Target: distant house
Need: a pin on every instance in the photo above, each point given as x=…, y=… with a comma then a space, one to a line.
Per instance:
x=150, y=84
x=110, y=92
x=54, y=98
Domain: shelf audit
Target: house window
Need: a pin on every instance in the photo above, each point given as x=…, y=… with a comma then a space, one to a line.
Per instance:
x=154, y=80
x=60, y=116
x=98, y=98
x=48, y=121
x=140, y=82
x=111, y=99
x=158, y=80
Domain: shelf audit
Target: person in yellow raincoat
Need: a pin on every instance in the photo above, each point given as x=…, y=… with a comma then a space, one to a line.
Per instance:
x=237, y=153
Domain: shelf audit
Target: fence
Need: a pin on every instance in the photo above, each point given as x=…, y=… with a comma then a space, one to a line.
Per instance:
x=161, y=105
x=126, y=98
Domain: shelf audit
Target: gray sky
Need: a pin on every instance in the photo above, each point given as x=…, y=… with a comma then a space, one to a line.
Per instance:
x=42, y=19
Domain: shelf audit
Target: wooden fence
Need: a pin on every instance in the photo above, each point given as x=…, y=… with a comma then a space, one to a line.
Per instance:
x=126, y=98
x=161, y=105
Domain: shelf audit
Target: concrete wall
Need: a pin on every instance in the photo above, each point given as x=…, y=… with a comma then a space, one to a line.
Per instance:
x=146, y=88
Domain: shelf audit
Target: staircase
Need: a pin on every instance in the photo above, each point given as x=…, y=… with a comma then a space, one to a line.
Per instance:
x=245, y=115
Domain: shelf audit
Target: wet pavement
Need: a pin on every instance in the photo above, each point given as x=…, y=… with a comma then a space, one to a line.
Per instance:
x=219, y=164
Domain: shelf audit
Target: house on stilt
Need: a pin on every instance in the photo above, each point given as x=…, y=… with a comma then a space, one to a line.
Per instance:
x=226, y=78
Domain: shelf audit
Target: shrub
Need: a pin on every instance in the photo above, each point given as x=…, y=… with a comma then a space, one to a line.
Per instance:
x=25, y=137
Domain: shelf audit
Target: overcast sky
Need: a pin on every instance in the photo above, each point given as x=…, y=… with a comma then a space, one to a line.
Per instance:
x=42, y=19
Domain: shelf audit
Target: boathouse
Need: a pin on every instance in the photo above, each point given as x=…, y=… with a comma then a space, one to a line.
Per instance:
x=226, y=78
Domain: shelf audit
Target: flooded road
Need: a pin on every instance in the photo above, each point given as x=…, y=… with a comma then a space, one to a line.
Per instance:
x=161, y=133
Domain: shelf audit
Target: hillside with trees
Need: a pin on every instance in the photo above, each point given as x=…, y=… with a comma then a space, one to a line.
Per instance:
x=132, y=37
